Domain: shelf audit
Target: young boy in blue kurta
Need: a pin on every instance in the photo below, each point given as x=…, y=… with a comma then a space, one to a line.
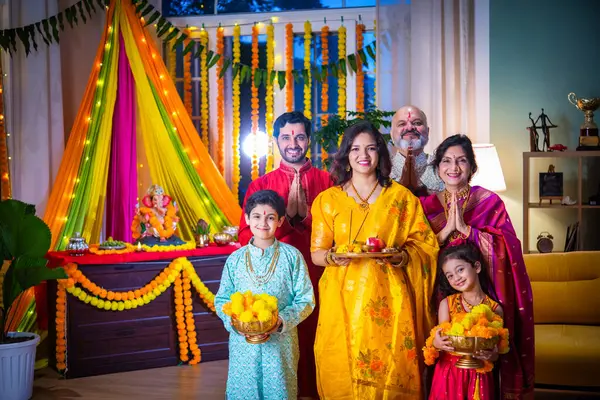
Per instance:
x=267, y=370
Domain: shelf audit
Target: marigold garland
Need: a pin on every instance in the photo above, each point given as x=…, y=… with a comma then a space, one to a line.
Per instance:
x=324, y=87
x=254, y=100
x=187, y=80
x=269, y=95
x=375, y=69
x=163, y=232
x=235, y=178
x=5, y=184
x=289, y=66
x=360, y=75
x=204, y=89
x=220, y=104
x=307, y=67
x=341, y=76
x=172, y=61
x=179, y=272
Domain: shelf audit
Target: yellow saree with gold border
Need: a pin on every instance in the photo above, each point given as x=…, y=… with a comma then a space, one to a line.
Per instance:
x=374, y=318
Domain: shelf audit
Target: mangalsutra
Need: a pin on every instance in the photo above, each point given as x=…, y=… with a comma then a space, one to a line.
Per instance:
x=262, y=279
x=364, y=203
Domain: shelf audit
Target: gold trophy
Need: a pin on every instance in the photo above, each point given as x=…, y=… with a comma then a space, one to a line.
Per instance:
x=588, y=131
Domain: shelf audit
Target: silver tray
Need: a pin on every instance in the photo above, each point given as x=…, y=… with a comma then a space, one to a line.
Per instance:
x=101, y=247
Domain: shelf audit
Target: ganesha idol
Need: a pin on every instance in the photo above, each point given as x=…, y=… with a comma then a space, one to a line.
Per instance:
x=156, y=219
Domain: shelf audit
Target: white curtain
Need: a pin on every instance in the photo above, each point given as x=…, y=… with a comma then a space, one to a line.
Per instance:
x=34, y=112
x=434, y=54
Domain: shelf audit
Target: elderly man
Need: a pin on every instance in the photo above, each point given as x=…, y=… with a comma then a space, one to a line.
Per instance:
x=410, y=165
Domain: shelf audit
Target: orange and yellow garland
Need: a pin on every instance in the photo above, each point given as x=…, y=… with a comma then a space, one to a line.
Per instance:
x=235, y=178
x=5, y=185
x=220, y=104
x=341, y=75
x=179, y=272
x=324, y=86
x=187, y=80
x=289, y=66
x=164, y=230
x=172, y=61
x=204, y=89
x=254, y=100
x=375, y=69
x=269, y=95
x=308, y=82
x=360, y=75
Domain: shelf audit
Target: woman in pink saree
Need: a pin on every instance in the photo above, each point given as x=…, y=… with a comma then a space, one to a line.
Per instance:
x=463, y=213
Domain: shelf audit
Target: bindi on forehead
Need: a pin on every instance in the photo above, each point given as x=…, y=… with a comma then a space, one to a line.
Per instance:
x=409, y=114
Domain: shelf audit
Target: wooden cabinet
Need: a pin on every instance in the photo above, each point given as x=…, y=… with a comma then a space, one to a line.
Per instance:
x=580, y=195
x=102, y=342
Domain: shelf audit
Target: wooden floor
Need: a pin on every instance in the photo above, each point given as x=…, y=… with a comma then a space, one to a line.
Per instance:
x=205, y=381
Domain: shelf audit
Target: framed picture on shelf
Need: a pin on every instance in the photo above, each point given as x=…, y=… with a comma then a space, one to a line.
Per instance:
x=551, y=185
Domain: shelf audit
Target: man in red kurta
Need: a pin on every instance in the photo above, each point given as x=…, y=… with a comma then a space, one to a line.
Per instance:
x=299, y=183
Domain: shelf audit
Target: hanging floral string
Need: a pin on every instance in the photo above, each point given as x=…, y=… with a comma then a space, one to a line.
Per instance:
x=187, y=80
x=269, y=94
x=220, y=104
x=324, y=87
x=341, y=76
x=375, y=69
x=308, y=77
x=180, y=273
x=360, y=75
x=172, y=61
x=5, y=186
x=235, y=179
x=254, y=100
x=204, y=88
x=289, y=67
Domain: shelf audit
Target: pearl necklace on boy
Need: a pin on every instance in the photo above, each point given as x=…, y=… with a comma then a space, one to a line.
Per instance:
x=262, y=279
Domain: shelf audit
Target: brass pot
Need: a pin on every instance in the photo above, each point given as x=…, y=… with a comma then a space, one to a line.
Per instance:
x=467, y=346
x=202, y=240
x=255, y=329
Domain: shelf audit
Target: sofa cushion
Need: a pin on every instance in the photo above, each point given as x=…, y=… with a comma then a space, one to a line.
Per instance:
x=567, y=355
x=572, y=302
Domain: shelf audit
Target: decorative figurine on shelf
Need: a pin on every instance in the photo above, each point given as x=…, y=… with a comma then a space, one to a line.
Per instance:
x=156, y=220
x=545, y=126
x=558, y=147
x=202, y=234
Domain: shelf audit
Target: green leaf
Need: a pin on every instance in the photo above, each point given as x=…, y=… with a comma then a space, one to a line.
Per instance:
x=179, y=40
x=69, y=15
x=31, y=32
x=53, y=23
x=74, y=14
x=324, y=75
x=24, y=38
x=147, y=10
x=246, y=73
x=257, y=77
x=334, y=69
x=272, y=77
x=12, y=35
x=213, y=61
x=199, y=51
x=38, y=26
x=152, y=18
x=296, y=76
x=209, y=56
x=172, y=35
x=80, y=7
x=189, y=47
x=90, y=4
x=363, y=57
x=88, y=8
x=161, y=22
x=226, y=64
x=235, y=71
x=371, y=50
x=342, y=65
x=265, y=76
x=140, y=6
x=166, y=28
x=61, y=22
x=46, y=27
x=101, y=3
x=305, y=77
x=4, y=41
x=281, y=79
x=352, y=62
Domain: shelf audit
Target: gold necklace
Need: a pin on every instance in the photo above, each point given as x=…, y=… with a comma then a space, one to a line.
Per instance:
x=364, y=203
x=462, y=194
x=262, y=279
x=472, y=305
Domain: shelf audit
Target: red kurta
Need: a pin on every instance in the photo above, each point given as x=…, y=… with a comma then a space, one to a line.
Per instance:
x=313, y=182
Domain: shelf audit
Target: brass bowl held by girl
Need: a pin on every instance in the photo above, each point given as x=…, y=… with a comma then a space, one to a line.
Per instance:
x=255, y=329
x=467, y=346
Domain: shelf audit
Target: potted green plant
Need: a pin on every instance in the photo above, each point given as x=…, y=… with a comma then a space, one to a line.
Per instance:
x=24, y=242
x=329, y=134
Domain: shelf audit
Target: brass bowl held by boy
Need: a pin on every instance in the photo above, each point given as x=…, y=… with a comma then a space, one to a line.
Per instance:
x=255, y=329
x=467, y=346
x=222, y=239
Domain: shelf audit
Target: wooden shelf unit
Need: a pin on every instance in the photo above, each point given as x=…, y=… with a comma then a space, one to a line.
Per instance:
x=527, y=204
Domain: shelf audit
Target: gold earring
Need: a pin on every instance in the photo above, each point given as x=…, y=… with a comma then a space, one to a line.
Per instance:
x=347, y=168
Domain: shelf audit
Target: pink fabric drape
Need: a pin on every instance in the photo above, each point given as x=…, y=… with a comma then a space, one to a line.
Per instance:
x=121, y=193
x=493, y=232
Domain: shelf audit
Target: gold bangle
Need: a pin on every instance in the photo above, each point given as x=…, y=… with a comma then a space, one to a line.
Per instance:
x=404, y=260
x=329, y=258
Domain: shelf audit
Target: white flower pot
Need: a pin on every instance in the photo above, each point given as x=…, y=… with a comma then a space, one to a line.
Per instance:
x=17, y=361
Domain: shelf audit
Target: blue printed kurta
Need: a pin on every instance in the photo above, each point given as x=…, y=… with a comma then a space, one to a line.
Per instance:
x=267, y=370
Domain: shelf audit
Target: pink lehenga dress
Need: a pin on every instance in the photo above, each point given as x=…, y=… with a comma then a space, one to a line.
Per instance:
x=493, y=232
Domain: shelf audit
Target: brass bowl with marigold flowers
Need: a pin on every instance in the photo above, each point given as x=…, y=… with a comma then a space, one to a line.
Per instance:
x=255, y=330
x=467, y=346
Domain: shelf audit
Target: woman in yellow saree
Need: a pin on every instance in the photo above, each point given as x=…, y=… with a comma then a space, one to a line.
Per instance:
x=374, y=313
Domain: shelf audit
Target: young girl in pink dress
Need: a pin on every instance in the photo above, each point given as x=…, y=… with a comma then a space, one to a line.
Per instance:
x=463, y=283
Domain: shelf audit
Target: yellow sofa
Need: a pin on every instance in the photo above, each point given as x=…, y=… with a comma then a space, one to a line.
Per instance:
x=566, y=303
